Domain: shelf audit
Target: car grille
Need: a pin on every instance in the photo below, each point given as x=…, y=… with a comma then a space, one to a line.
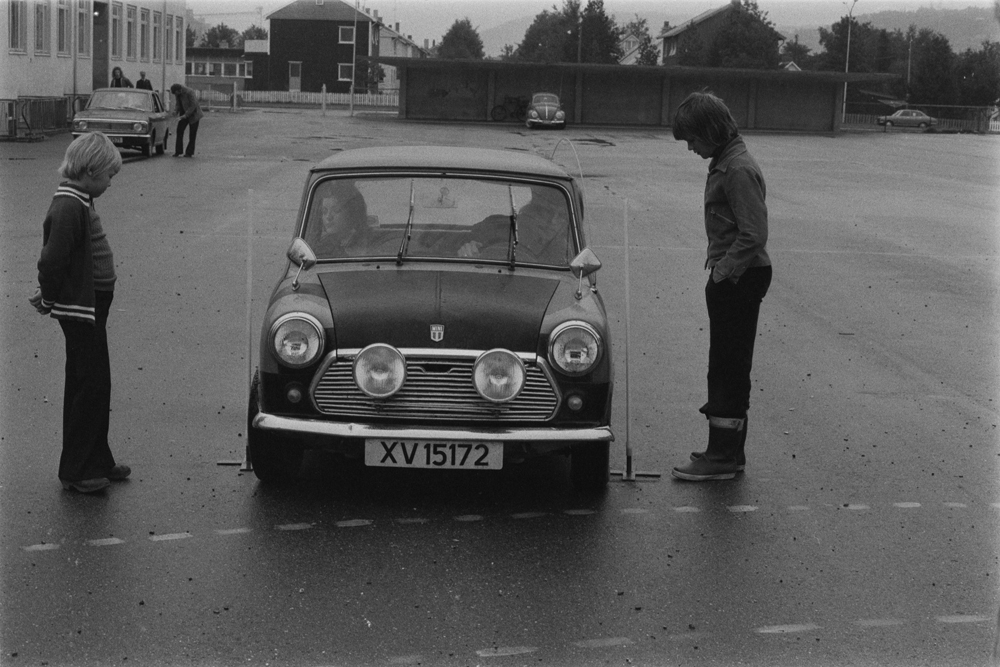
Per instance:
x=436, y=389
x=106, y=126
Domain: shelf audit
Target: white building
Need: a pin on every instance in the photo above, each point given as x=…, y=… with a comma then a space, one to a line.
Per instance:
x=56, y=52
x=395, y=44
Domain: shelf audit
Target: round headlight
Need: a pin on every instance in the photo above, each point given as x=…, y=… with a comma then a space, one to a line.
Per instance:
x=560, y=115
x=498, y=375
x=138, y=127
x=379, y=370
x=297, y=339
x=534, y=114
x=80, y=125
x=574, y=348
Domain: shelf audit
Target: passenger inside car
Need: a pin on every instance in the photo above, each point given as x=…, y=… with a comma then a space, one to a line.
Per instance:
x=542, y=226
x=342, y=215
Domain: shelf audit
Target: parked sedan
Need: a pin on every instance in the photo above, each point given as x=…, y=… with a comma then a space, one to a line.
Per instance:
x=439, y=310
x=907, y=118
x=545, y=110
x=131, y=118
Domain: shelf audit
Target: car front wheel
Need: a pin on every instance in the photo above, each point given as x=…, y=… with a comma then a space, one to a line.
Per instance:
x=923, y=126
x=147, y=150
x=589, y=466
x=888, y=123
x=275, y=458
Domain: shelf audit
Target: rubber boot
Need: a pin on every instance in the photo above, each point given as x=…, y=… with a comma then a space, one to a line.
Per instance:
x=719, y=459
x=741, y=457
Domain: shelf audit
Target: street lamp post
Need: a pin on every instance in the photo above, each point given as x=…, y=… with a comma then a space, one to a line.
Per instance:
x=847, y=59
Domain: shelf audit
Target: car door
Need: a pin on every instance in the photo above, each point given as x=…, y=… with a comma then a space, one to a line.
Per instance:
x=159, y=116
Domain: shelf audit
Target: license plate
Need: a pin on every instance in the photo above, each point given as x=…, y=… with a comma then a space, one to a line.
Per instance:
x=117, y=141
x=388, y=453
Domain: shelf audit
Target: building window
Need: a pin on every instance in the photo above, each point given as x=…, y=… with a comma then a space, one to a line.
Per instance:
x=84, y=25
x=130, y=34
x=168, y=39
x=345, y=72
x=201, y=69
x=144, y=34
x=43, y=27
x=116, y=30
x=187, y=68
x=63, y=26
x=245, y=70
x=157, y=35
x=346, y=34
x=19, y=25
x=228, y=69
x=215, y=69
x=179, y=38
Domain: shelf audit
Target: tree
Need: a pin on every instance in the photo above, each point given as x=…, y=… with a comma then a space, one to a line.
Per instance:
x=461, y=42
x=222, y=36
x=555, y=35
x=254, y=32
x=747, y=40
x=933, y=62
x=647, y=53
x=601, y=35
x=978, y=75
x=190, y=37
x=691, y=50
x=795, y=52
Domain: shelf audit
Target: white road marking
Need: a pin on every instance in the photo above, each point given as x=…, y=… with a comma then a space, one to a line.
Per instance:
x=354, y=523
x=906, y=505
x=294, y=526
x=169, y=536
x=105, y=542
x=785, y=629
x=505, y=650
x=742, y=508
x=233, y=531
x=41, y=547
x=963, y=618
x=856, y=507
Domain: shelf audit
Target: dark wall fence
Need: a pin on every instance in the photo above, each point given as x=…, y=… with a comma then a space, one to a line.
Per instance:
x=774, y=100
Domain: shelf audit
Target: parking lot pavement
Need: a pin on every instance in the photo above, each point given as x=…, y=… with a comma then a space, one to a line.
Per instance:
x=866, y=525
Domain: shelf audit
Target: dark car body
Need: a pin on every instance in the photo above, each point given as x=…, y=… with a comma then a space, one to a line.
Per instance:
x=132, y=118
x=545, y=110
x=384, y=341
x=907, y=118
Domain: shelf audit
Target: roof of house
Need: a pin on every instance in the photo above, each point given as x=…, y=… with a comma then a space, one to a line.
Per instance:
x=701, y=18
x=319, y=10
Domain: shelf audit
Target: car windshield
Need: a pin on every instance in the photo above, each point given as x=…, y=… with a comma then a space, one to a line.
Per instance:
x=545, y=99
x=123, y=99
x=423, y=217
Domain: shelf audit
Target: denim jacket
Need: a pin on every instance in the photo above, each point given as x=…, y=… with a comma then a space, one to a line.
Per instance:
x=735, y=213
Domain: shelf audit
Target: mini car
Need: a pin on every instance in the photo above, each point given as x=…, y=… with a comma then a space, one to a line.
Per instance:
x=130, y=117
x=438, y=310
x=544, y=110
x=907, y=118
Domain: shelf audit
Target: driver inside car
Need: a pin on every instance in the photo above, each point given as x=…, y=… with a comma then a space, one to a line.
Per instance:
x=344, y=221
x=542, y=230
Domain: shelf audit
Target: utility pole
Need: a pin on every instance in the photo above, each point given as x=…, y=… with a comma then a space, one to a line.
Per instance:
x=847, y=58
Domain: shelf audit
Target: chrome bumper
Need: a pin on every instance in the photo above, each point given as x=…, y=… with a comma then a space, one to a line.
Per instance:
x=270, y=422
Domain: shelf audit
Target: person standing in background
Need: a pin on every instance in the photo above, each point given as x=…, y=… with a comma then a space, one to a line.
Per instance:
x=143, y=83
x=119, y=80
x=190, y=115
x=739, y=276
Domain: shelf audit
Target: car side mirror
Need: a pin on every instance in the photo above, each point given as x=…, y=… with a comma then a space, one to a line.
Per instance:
x=301, y=255
x=585, y=264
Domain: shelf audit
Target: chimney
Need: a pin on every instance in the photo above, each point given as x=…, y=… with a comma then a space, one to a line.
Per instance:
x=426, y=43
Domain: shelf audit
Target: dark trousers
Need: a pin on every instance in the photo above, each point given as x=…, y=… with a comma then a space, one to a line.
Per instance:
x=183, y=124
x=732, y=316
x=87, y=397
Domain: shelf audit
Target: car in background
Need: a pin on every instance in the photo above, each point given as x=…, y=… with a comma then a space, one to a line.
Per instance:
x=438, y=310
x=907, y=118
x=132, y=118
x=545, y=110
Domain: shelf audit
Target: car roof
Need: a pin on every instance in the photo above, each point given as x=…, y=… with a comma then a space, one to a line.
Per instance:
x=124, y=90
x=433, y=158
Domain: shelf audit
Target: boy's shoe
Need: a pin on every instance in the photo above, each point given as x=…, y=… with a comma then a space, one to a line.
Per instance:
x=87, y=485
x=119, y=472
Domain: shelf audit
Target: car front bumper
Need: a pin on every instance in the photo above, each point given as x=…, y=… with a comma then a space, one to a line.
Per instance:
x=318, y=427
x=545, y=123
x=124, y=140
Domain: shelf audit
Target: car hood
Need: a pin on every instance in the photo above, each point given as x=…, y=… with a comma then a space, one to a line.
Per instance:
x=546, y=111
x=112, y=114
x=479, y=311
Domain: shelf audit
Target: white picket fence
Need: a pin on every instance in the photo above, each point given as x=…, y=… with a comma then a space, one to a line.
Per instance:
x=386, y=99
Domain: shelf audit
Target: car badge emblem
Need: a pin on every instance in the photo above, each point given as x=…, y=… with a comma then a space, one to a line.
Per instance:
x=437, y=332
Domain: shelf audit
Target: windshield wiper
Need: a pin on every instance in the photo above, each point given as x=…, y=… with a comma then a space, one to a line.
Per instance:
x=406, y=235
x=512, y=251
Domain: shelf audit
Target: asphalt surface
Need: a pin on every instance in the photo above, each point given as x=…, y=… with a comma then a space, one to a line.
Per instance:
x=864, y=531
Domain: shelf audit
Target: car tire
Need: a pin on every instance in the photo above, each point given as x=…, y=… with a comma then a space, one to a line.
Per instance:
x=888, y=123
x=589, y=466
x=162, y=148
x=275, y=458
x=922, y=126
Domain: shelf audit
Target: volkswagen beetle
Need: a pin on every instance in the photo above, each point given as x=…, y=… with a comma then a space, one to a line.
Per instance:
x=545, y=110
x=439, y=309
x=131, y=118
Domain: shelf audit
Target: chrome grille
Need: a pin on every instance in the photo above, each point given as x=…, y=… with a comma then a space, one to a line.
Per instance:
x=436, y=389
x=106, y=126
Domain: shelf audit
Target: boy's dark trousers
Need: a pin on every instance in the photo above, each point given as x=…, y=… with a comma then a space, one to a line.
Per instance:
x=87, y=397
x=182, y=124
x=732, y=315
